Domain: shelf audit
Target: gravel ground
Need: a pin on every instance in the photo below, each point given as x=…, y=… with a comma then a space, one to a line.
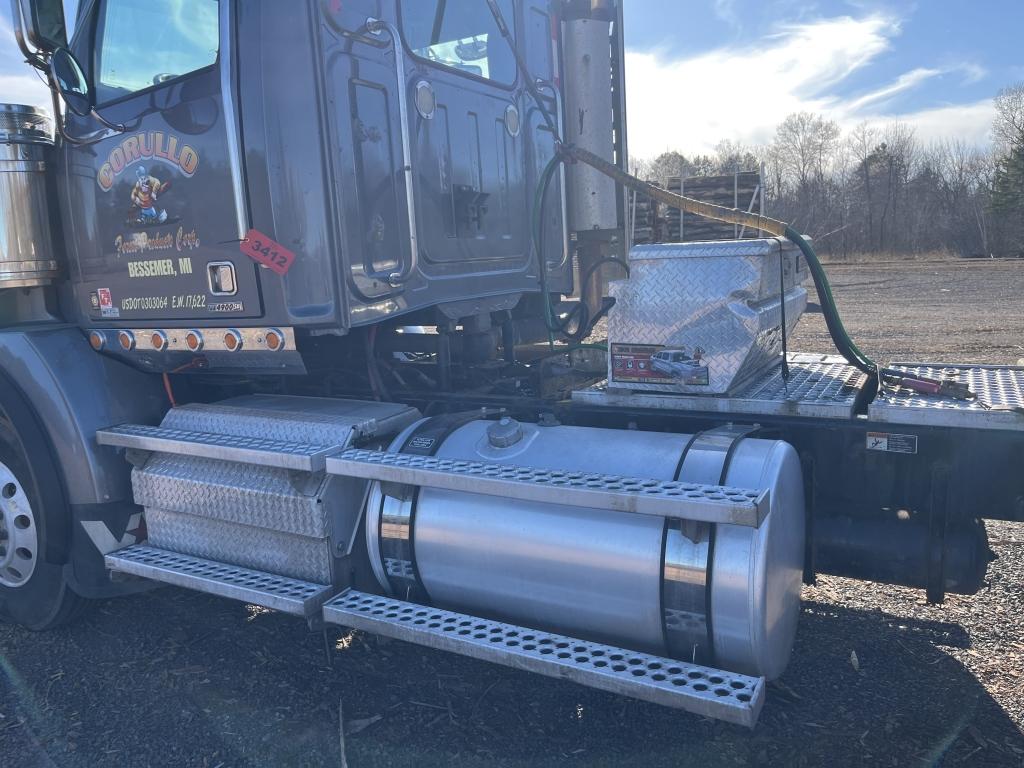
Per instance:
x=966, y=311
x=878, y=677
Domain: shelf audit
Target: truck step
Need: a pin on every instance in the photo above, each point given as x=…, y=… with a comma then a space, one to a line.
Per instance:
x=700, y=690
x=302, y=598
x=247, y=450
x=662, y=498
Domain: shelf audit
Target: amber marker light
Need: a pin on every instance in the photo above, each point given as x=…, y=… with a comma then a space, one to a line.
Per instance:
x=275, y=340
x=232, y=340
x=158, y=340
x=97, y=340
x=194, y=341
x=127, y=340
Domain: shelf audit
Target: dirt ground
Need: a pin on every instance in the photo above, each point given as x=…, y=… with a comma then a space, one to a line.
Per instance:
x=878, y=677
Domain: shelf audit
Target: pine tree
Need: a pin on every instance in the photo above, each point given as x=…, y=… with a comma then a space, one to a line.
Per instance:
x=1008, y=198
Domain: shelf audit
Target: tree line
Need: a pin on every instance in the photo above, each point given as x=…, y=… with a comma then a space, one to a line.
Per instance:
x=879, y=188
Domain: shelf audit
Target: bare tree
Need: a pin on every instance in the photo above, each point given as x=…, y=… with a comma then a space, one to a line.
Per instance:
x=879, y=189
x=862, y=142
x=1008, y=126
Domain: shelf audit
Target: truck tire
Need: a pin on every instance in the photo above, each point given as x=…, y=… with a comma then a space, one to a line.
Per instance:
x=33, y=591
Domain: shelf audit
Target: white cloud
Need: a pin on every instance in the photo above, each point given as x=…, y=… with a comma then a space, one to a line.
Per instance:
x=970, y=123
x=742, y=94
x=24, y=89
x=904, y=82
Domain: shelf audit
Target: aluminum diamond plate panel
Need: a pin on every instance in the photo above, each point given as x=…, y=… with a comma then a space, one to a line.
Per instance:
x=249, y=505
x=261, y=497
x=299, y=557
x=820, y=386
x=713, y=308
x=1000, y=403
x=701, y=690
x=302, y=420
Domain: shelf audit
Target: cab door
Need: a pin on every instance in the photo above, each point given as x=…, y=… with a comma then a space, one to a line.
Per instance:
x=477, y=141
x=153, y=214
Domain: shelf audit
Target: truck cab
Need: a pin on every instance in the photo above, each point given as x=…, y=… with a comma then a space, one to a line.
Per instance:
x=387, y=153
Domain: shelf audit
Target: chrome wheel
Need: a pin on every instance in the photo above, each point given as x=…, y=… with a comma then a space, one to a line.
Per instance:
x=19, y=542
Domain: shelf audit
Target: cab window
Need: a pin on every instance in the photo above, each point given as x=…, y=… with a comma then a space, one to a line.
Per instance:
x=461, y=35
x=143, y=44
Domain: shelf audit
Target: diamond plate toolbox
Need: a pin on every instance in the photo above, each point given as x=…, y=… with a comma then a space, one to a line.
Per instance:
x=703, y=318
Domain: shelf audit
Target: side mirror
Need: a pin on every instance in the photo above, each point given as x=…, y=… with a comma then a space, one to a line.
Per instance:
x=71, y=83
x=39, y=24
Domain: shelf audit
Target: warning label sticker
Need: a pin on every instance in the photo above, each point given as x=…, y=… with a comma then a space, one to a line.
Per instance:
x=891, y=443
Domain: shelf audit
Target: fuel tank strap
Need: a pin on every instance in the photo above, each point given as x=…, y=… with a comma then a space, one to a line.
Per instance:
x=689, y=547
x=398, y=507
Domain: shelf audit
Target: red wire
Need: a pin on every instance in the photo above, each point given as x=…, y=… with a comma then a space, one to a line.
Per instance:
x=194, y=363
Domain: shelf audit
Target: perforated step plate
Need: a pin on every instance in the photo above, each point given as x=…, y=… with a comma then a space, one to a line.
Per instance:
x=302, y=598
x=701, y=690
x=246, y=450
x=662, y=498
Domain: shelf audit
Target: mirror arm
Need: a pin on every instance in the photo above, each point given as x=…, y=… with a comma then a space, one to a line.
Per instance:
x=115, y=127
x=77, y=141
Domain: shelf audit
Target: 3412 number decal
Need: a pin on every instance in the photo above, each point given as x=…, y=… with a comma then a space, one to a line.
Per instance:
x=266, y=251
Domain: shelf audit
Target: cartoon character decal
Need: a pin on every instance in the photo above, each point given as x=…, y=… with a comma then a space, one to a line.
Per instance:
x=144, y=195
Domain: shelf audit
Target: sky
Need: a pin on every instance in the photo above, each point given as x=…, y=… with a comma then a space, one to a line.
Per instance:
x=700, y=71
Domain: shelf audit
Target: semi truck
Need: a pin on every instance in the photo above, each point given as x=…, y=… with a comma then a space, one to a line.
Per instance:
x=331, y=307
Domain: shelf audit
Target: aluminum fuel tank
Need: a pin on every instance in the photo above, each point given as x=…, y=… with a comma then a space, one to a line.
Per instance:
x=712, y=593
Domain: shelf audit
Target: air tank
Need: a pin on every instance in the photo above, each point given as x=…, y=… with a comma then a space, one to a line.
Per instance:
x=716, y=594
x=27, y=257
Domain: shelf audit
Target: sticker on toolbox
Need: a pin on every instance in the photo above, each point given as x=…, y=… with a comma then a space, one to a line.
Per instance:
x=631, y=363
x=652, y=364
x=891, y=443
x=266, y=251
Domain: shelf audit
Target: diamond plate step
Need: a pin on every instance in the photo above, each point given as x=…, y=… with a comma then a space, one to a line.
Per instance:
x=701, y=690
x=662, y=498
x=247, y=450
x=301, y=598
x=999, y=403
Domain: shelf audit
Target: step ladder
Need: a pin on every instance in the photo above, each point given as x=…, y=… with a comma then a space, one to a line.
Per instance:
x=663, y=498
x=701, y=690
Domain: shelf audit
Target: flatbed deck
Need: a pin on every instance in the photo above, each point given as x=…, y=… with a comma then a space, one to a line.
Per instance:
x=827, y=387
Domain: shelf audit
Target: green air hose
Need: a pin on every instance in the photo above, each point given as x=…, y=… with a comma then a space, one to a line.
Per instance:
x=584, y=323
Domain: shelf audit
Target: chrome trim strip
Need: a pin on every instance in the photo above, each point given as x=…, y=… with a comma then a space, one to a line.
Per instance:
x=232, y=129
x=375, y=27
